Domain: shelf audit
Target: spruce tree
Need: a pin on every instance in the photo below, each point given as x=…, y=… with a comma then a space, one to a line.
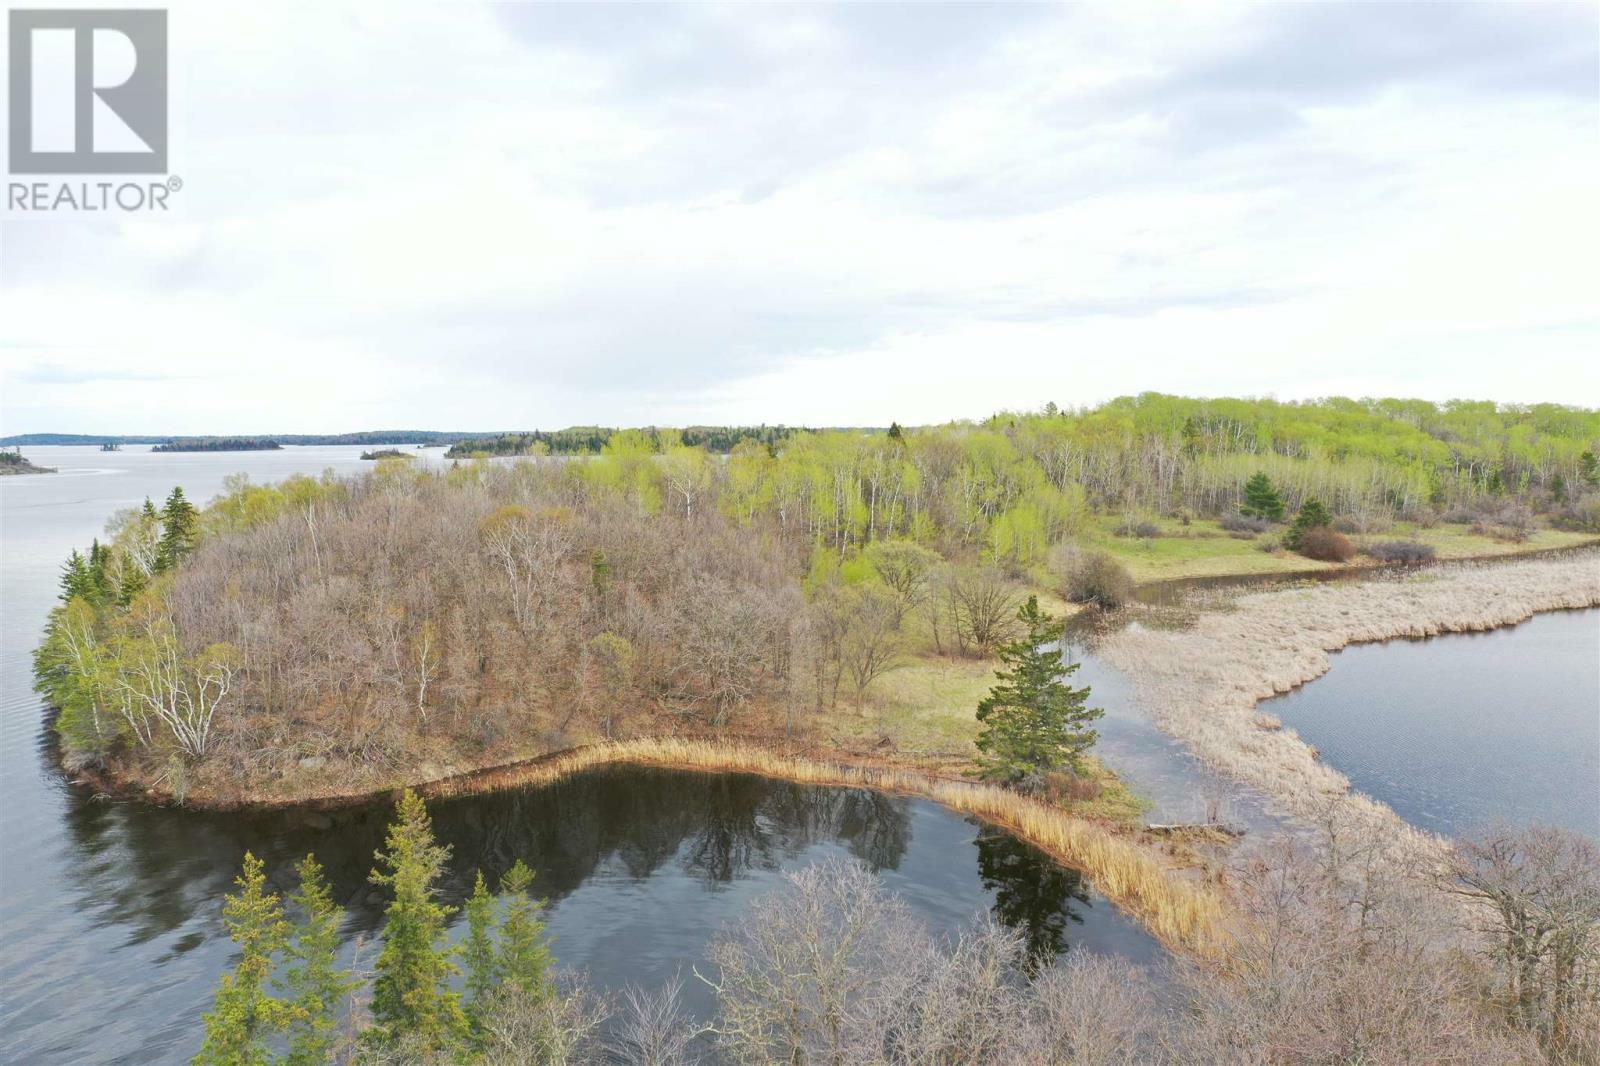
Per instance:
x=1589, y=468
x=77, y=582
x=411, y=996
x=244, y=1013
x=478, y=951
x=1312, y=514
x=1261, y=499
x=525, y=958
x=314, y=981
x=180, y=524
x=1034, y=722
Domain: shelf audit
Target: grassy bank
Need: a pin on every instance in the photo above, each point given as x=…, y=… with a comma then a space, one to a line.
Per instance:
x=1203, y=683
x=1204, y=549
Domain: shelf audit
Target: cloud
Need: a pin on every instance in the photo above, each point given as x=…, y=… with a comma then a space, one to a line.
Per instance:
x=540, y=215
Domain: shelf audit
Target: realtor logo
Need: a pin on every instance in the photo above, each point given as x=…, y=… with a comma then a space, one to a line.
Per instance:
x=88, y=91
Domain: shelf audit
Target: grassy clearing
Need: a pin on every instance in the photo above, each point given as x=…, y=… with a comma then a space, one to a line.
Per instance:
x=1204, y=549
x=1183, y=913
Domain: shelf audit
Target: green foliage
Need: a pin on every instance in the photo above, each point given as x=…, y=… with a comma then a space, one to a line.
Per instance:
x=478, y=950
x=314, y=982
x=245, y=1014
x=1312, y=516
x=1261, y=499
x=1589, y=468
x=1034, y=723
x=525, y=959
x=411, y=996
x=180, y=527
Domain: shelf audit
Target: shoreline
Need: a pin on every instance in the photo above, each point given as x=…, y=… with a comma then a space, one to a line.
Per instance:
x=1185, y=913
x=1203, y=685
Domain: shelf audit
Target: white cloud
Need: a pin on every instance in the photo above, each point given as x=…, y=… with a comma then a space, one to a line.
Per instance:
x=460, y=216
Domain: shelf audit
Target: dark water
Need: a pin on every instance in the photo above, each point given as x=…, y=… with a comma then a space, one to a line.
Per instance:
x=110, y=935
x=1463, y=730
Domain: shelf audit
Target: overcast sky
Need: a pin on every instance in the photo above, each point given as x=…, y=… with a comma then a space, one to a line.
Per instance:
x=467, y=216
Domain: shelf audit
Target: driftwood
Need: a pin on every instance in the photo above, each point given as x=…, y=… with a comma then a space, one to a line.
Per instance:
x=1195, y=827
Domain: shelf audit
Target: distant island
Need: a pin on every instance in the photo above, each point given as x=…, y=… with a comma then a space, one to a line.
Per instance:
x=219, y=444
x=386, y=453
x=17, y=463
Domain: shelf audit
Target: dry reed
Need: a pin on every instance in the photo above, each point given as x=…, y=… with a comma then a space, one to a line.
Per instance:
x=1184, y=914
x=1202, y=684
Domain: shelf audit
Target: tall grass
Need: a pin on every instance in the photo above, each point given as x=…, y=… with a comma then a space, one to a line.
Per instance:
x=1202, y=684
x=1184, y=914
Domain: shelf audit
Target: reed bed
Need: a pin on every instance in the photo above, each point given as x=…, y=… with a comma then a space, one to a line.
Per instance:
x=1202, y=684
x=1184, y=914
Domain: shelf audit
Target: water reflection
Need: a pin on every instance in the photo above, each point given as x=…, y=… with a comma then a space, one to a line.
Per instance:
x=1033, y=895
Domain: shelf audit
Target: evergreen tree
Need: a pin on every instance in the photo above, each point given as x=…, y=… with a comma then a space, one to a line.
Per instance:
x=1034, y=722
x=1589, y=468
x=525, y=958
x=134, y=581
x=896, y=433
x=411, y=997
x=1312, y=514
x=77, y=582
x=180, y=524
x=314, y=981
x=244, y=1013
x=1261, y=499
x=478, y=951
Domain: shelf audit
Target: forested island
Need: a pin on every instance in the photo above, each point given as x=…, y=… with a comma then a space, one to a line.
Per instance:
x=385, y=453
x=865, y=608
x=14, y=462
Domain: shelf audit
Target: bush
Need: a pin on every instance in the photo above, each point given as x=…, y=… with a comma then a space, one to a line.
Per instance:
x=1245, y=525
x=1460, y=516
x=1580, y=516
x=1142, y=529
x=1513, y=523
x=1325, y=545
x=1404, y=552
x=1093, y=577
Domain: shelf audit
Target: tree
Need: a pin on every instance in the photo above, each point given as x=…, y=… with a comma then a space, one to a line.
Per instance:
x=1034, y=723
x=478, y=952
x=1589, y=467
x=1312, y=515
x=244, y=1013
x=180, y=524
x=1261, y=499
x=411, y=997
x=525, y=958
x=904, y=567
x=314, y=981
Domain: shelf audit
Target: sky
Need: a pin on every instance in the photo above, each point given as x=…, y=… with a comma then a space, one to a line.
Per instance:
x=509, y=216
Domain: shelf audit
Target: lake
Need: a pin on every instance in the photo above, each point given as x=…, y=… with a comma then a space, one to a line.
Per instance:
x=1460, y=731
x=111, y=941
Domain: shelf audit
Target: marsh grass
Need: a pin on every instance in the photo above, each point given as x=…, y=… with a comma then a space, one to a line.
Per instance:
x=1185, y=914
x=1202, y=684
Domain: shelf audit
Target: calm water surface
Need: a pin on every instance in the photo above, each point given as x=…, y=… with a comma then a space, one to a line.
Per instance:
x=1460, y=731
x=110, y=934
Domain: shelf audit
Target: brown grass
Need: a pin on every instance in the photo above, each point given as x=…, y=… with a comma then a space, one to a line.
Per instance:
x=1184, y=914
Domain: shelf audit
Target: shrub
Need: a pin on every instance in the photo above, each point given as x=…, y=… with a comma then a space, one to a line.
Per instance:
x=1513, y=523
x=1581, y=515
x=1325, y=545
x=1312, y=516
x=1093, y=577
x=1460, y=516
x=1405, y=552
x=1245, y=525
x=1143, y=529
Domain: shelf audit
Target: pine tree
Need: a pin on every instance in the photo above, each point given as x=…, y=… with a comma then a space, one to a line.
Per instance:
x=411, y=997
x=133, y=582
x=77, y=582
x=1034, y=722
x=1312, y=514
x=1589, y=468
x=244, y=1013
x=314, y=981
x=179, y=528
x=1261, y=499
x=525, y=958
x=478, y=950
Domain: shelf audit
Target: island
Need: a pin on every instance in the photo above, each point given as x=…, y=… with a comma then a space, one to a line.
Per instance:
x=387, y=453
x=219, y=444
x=14, y=462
